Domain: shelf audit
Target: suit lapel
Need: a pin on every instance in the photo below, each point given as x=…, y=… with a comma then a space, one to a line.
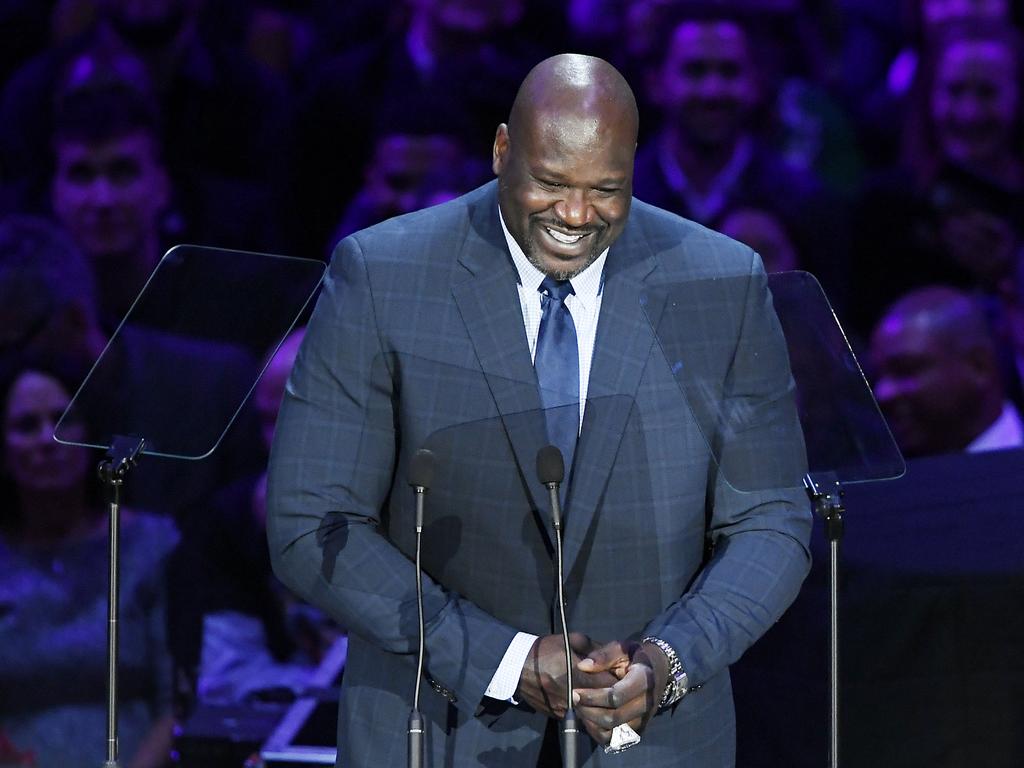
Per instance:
x=621, y=352
x=488, y=302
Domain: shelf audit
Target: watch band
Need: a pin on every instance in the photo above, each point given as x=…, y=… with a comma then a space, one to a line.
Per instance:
x=678, y=682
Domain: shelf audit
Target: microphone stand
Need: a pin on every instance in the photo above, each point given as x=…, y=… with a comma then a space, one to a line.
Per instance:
x=551, y=468
x=420, y=475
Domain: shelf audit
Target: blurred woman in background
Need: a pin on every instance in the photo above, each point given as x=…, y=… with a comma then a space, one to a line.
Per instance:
x=53, y=590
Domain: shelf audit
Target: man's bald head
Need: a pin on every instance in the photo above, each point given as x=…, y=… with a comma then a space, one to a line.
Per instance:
x=937, y=377
x=572, y=84
x=945, y=314
x=565, y=162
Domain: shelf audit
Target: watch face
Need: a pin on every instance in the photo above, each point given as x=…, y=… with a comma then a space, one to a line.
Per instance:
x=680, y=686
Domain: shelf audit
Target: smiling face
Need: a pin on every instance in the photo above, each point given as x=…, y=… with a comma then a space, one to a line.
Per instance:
x=707, y=84
x=936, y=379
x=408, y=171
x=975, y=100
x=32, y=458
x=566, y=181
x=110, y=195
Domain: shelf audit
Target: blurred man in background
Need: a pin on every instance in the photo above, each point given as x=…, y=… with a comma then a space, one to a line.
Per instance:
x=937, y=377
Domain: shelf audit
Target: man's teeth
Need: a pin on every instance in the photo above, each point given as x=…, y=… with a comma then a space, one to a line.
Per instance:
x=563, y=238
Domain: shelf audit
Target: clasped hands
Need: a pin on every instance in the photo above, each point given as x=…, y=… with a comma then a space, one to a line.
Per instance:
x=618, y=682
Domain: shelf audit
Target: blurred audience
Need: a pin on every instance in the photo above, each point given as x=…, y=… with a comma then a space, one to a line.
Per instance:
x=952, y=212
x=53, y=589
x=408, y=172
x=48, y=306
x=279, y=37
x=884, y=45
x=48, y=302
x=26, y=30
x=113, y=192
x=766, y=234
x=241, y=633
x=937, y=376
x=708, y=91
x=1008, y=320
x=971, y=104
x=220, y=110
x=453, y=65
x=710, y=153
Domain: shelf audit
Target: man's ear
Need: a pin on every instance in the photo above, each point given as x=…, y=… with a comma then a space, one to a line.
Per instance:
x=502, y=145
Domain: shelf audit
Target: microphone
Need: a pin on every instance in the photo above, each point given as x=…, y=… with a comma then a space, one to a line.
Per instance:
x=421, y=475
x=551, y=472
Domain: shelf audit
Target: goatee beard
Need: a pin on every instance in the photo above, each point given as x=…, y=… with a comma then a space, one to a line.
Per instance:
x=561, y=274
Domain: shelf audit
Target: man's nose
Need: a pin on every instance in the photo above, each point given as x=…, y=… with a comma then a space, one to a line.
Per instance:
x=969, y=109
x=42, y=433
x=713, y=85
x=574, y=208
x=101, y=190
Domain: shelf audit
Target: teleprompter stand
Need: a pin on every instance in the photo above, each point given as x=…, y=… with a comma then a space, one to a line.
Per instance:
x=201, y=312
x=826, y=495
x=798, y=386
x=113, y=470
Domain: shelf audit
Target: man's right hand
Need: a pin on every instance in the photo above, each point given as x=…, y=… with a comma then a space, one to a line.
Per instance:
x=542, y=681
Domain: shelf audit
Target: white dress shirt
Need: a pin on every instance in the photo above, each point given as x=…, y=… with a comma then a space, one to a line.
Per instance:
x=1005, y=432
x=585, y=307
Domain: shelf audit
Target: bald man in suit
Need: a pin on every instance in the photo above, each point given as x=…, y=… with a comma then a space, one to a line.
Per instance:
x=431, y=331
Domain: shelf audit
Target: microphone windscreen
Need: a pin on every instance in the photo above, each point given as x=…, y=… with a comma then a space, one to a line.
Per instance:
x=421, y=469
x=550, y=465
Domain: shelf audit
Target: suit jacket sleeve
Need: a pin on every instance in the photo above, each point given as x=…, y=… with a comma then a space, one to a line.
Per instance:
x=759, y=521
x=331, y=470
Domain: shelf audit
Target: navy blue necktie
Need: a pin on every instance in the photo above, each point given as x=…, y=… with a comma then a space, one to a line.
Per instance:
x=558, y=370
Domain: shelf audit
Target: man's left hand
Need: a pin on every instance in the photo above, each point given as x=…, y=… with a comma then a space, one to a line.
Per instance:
x=643, y=672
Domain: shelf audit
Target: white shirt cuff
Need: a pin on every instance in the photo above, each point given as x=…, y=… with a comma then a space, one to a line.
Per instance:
x=506, y=677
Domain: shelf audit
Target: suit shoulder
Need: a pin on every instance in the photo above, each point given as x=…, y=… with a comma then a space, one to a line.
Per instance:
x=682, y=245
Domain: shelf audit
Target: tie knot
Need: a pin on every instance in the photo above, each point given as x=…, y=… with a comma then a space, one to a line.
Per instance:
x=556, y=289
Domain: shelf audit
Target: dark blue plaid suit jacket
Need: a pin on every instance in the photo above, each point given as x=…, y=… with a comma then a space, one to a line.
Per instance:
x=418, y=340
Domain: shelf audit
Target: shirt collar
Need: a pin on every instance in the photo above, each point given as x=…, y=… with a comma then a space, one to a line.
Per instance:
x=1005, y=432
x=587, y=285
x=704, y=206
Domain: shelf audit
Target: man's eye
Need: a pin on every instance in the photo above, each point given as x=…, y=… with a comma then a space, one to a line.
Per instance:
x=80, y=174
x=26, y=425
x=956, y=90
x=695, y=68
x=123, y=171
x=730, y=70
x=987, y=91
